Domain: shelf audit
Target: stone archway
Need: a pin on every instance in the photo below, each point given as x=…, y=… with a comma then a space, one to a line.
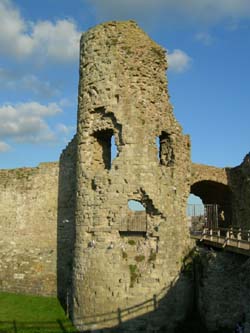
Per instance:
x=215, y=193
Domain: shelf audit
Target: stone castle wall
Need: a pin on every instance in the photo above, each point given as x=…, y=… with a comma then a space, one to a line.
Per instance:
x=240, y=185
x=28, y=229
x=201, y=172
x=37, y=229
x=228, y=187
x=66, y=228
x=223, y=289
x=122, y=93
x=66, y=221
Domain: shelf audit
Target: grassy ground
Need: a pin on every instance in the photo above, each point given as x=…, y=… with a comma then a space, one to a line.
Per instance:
x=32, y=314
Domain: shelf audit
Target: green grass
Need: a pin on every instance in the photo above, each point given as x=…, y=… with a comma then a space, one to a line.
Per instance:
x=32, y=314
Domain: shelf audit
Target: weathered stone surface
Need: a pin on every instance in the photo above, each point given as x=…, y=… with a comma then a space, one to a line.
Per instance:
x=201, y=172
x=223, y=289
x=66, y=228
x=28, y=215
x=228, y=187
x=240, y=185
x=122, y=92
x=66, y=221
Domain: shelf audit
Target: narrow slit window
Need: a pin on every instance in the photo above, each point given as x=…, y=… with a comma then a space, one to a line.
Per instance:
x=103, y=149
x=114, y=150
x=158, y=147
x=165, y=149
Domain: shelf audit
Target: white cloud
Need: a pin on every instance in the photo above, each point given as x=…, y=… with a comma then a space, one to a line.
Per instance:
x=13, y=37
x=4, y=147
x=232, y=26
x=65, y=132
x=213, y=11
x=28, y=82
x=178, y=61
x=173, y=11
x=66, y=102
x=205, y=38
x=40, y=88
x=63, y=129
x=26, y=122
x=58, y=41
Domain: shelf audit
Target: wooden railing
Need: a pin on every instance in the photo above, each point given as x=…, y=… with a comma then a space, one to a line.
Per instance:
x=230, y=238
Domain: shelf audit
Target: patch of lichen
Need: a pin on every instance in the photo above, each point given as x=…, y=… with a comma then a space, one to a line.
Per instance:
x=158, y=51
x=139, y=258
x=134, y=274
x=152, y=256
x=23, y=173
x=132, y=34
x=124, y=255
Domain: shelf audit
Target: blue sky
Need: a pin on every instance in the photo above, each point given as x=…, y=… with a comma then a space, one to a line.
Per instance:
x=208, y=45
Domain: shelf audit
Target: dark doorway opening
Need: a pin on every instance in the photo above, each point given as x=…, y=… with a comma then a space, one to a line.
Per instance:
x=217, y=200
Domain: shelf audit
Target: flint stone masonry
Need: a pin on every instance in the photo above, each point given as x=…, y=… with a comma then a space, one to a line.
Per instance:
x=240, y=185
x=201, y=172
x=228, y=187
x=66, y=228
x=28, y=215
x=122, y=92
x=66, y=221
x=223, y=290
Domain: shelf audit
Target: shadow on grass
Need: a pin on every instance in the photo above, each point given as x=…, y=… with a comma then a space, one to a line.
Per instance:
x=57, y=326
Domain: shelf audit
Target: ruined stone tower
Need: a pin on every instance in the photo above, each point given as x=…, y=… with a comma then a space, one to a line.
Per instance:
x=127, y=264
x=131, y=269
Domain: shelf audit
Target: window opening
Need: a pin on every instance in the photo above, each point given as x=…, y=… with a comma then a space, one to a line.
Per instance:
x=165, y=152
x=134, y=222
x=114, y=150
x=135, y=206
x=105, y=148
x=158, y=147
